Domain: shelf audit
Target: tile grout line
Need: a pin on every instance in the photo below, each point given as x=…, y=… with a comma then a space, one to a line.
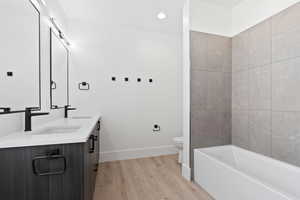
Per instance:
x=248, y=96
x=271, y=63
x=271, y=113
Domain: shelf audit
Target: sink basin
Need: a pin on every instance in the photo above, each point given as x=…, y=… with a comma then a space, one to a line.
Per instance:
x=57, y=130
x=82, y=117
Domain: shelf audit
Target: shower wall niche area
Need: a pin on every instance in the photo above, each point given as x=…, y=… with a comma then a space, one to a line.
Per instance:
x=211, y=63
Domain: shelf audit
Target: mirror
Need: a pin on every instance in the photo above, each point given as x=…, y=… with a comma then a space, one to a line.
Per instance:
x=19, y=56
x=59, y=76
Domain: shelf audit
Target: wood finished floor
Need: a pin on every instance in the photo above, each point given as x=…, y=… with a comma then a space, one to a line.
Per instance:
x=156, y=178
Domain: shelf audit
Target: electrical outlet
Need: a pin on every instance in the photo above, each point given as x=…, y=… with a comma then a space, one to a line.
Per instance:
x=156, y=129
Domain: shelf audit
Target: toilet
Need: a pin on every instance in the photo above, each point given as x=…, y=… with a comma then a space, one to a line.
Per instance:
x=179, y=145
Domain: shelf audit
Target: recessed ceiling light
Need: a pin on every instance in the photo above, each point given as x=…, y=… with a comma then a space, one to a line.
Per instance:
x=161, y=15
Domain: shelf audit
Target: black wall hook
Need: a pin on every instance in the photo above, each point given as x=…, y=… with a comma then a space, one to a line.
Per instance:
x=156, y=128
x=53, y=85
x=10, y=74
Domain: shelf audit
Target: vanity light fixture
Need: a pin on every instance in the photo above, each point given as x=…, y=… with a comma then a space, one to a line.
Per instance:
x=49, y=22
x=36, y=4
x=58, y=31
x=162, y=16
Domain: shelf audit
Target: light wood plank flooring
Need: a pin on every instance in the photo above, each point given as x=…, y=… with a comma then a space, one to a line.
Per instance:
x=156, y=178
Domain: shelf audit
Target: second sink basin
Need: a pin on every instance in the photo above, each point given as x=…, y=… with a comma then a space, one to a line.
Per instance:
x=57, y=130
x=82, y=117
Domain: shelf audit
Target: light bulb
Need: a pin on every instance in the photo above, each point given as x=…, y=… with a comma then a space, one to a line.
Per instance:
x=161, y=15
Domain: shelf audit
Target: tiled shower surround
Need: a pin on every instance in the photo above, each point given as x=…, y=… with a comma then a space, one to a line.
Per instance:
x=265, y=89
x=210, y=90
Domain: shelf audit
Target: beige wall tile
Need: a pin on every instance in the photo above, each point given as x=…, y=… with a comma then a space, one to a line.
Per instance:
x=260, y=88
x=260, y=132
x=285, y=85
x=260, y=44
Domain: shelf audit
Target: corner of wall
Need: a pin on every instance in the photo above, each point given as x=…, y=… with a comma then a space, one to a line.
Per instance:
x=186, y=172
x=186, y=90
x=249, y=13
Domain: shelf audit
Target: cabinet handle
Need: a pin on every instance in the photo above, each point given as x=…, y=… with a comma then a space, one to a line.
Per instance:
x=53, y=85
x=92, y=148
x=37, y=172
x=96, y=167
x=99, y=126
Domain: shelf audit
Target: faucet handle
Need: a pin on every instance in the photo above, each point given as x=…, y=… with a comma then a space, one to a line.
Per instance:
x=55, y=107
x=5, y=109
x=32, y=108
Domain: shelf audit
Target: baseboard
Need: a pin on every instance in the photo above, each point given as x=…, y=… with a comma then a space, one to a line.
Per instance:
x=137, y=153
x=186, y=172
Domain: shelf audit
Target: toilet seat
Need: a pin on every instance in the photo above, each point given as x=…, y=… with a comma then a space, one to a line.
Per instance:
x=178, y=140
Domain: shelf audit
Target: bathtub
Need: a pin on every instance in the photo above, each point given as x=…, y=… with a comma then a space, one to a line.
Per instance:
x=232, y=173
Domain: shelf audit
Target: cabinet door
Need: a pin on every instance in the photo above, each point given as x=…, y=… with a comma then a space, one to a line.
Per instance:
x=88, y=169
x=42, y=173
x=56, y=173
x=95, y=156
x=13, y=174
x=97, y=141
x=38, y=186
x=74, y=178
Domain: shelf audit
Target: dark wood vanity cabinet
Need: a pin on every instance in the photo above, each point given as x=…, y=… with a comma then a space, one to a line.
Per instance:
x=53, y=172
x=91, y=162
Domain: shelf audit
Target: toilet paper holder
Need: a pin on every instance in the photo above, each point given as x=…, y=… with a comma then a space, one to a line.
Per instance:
x=84, y=86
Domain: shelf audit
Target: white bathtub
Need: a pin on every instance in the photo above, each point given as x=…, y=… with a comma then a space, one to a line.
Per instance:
x=232, y=173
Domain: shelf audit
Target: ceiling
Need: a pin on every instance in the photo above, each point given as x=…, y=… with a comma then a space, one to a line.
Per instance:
x=226, y=3
x=138, y=13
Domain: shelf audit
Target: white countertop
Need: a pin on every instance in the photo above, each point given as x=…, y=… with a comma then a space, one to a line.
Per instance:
x=25, y=139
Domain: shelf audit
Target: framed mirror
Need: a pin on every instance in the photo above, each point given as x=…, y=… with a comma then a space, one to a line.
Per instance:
x=59, y=72
x=20, y=80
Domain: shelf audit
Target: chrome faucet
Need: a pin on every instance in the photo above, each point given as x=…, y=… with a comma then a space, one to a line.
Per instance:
x=29, y=115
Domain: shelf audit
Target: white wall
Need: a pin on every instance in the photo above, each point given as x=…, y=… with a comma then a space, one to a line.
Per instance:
x=210, y=18
x=229, y=21
x=251, y=12
x=15, y=122
x=186, y=170
x=129, y=110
